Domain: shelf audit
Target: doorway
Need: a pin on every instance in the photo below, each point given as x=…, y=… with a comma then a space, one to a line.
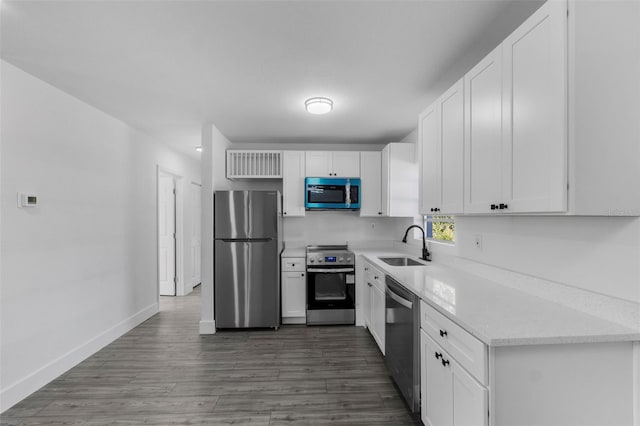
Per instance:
x=167, y=277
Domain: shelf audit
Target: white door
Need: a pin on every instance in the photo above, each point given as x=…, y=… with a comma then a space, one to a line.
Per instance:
x=470, y=398
x=377, y=316
x=346, y=163
x=371, y=197
x=318, y=164
x=451, y=142
x=430, y=158
x=535, y=164
x=438, y=401
x=294, y=294
x=196, y=234
x=167, y=235
x=483, y=136
x=293, y=173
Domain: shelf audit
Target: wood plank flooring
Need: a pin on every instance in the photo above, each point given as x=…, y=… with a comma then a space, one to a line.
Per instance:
x=164, y=373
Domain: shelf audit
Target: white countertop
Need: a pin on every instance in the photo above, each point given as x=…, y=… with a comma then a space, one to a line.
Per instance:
x=496, y=314
x=294, y=252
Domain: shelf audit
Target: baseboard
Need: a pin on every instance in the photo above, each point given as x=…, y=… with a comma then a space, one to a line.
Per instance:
x=207, y=327
x=19, y=390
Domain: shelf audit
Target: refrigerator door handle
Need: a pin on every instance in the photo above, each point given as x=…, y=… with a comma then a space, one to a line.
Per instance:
x=245, y=240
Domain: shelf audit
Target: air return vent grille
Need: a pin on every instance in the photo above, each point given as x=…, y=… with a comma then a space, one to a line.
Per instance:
x=254, y=164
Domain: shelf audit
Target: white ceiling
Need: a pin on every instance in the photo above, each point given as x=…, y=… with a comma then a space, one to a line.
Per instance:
x=167, y=67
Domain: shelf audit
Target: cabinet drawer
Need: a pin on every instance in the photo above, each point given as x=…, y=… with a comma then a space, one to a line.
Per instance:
x=293, y=264
x=468, y=351
x=374, y=276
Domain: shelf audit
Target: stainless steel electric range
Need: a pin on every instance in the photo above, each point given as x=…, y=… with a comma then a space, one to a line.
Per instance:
x=331, y=280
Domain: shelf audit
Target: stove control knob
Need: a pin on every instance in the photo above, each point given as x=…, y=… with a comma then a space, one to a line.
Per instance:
x=312, y=260
x=319, y=260
x=348, y=259
x=341, y=259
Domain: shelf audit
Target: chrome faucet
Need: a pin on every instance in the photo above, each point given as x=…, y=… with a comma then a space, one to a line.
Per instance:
x=425, y=253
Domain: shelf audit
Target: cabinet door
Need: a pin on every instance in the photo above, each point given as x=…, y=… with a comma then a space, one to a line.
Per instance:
x=370, y=172
x=346, y=164
x=366, y=300
x=377, y=316
x=483, y=136
x=318, y=164
x=430, y=185
x=470, y=399
x=294, y=294
x=293, y=173
x=438, y=398
x=535, y=93
x=450, y=143
x=385, y=181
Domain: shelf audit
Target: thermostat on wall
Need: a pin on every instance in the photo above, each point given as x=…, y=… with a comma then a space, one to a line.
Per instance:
x=27, y=200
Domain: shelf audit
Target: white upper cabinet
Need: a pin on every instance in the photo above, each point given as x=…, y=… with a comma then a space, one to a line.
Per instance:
x=370, y=177
x=535, y=112
x=293, y=174
x=516, y=115
x=399, y=180
x=389, y=181
x=333, y=164
x=483, y=137
x=441, y=136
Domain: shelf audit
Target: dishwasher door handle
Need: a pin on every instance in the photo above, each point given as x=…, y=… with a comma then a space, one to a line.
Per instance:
x=401, y=300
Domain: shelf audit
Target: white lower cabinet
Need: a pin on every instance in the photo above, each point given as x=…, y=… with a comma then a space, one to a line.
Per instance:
x=374, y=303
x=294, y=290
x=450, y=395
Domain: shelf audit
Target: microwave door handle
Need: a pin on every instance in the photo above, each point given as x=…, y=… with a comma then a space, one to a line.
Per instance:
x=347, y=194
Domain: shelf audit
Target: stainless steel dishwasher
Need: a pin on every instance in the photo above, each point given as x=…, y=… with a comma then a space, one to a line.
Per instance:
x=402, y=340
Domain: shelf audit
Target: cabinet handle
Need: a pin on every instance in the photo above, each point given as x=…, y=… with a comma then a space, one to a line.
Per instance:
x=366, y=269
x=493, y=207
x=445, y=362
x=302, y=275
x=284, y=213
x=375, y=278
x=438, y=355
x=379, y=213
x=443, y=333
x=503, y=206
x=431, y=209
x=369, y=284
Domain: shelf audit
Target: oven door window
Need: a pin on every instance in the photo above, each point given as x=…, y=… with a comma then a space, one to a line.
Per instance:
x=330, y=290
x=330, y=287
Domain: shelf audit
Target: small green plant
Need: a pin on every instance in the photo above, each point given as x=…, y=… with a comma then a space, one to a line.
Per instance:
x=444, y=228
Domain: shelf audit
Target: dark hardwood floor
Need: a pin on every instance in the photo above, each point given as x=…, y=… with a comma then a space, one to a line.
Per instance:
x=163, y=372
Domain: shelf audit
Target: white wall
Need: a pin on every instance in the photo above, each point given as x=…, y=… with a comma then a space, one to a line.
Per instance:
x=599, y=254
x=81, y=268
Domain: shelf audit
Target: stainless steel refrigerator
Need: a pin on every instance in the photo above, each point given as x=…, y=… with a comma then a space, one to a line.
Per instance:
x=247, y=247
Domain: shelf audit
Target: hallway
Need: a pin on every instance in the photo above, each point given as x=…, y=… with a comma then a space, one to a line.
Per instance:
x=163, y=372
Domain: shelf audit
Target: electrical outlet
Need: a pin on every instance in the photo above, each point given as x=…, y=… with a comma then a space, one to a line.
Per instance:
x=478, y=241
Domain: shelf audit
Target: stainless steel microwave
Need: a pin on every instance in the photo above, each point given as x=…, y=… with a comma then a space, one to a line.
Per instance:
x=323, y=193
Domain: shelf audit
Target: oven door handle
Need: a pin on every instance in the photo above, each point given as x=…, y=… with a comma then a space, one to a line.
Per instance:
x=331, y=271
x=401, y=300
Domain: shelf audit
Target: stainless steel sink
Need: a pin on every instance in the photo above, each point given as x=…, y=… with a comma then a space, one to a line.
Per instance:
x=401, y=261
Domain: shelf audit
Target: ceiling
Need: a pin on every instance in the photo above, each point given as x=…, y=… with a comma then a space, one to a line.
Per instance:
x=168, y=67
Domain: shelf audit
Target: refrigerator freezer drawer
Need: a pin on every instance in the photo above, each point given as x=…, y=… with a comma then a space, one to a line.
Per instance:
x=247, y=291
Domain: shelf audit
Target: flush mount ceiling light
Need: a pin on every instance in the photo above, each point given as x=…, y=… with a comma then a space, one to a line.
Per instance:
x=318, y=105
